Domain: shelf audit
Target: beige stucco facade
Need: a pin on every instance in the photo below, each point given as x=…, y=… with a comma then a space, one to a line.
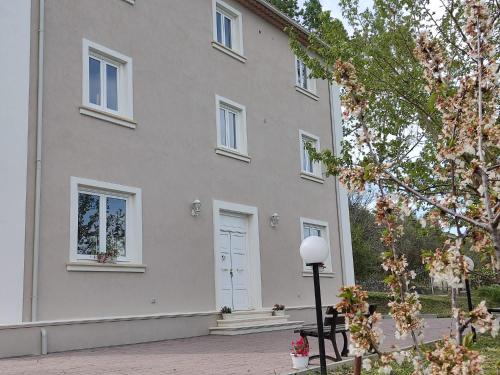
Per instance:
x=170, y=155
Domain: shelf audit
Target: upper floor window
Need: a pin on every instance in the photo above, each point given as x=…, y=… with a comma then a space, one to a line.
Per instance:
x=228, y=27
x=231, y=126
x=105, y=219
x=302, y=75
x=309, y=166
x=310, y=227
x=107, y=80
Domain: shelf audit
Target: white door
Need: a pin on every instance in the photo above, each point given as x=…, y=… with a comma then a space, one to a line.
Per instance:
x=233, y=262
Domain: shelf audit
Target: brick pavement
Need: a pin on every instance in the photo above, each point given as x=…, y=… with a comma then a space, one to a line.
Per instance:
x=262, y=353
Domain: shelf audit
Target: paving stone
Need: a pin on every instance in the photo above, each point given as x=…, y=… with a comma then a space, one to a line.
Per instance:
x=254, y=354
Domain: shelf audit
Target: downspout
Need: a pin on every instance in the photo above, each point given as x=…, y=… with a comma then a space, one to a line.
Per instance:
x=347, y=264
x=39, y=118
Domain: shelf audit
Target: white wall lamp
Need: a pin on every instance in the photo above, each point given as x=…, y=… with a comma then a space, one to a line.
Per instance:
x=195, y=207
x=275, y=218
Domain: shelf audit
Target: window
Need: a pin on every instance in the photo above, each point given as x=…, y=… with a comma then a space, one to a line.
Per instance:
x=309, y=167
x=231, y=127
x=228, y=29
x=303, y=81
x=224, y=28
x=105, y=217
x=310, y=227
x=107, y=81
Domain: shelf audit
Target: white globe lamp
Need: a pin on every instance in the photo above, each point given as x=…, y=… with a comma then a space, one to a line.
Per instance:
x=313, y=250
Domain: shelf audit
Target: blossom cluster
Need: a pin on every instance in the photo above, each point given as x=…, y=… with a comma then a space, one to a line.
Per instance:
x=406, y=315
x=447, y=264
x=482, y=320
x=364, y=335
x=450, y=358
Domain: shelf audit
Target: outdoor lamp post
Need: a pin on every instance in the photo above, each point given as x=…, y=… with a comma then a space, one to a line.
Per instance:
x=314, y=251
x=470, y=268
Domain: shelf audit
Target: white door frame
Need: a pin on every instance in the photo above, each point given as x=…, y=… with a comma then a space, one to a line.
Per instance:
x=254, y=275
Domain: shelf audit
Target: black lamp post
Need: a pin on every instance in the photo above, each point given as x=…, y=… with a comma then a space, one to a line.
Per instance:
x=314, y=250
x=470, y=268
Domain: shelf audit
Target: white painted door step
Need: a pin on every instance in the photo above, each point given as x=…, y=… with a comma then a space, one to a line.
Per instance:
x=232, y=331
x=252, y=321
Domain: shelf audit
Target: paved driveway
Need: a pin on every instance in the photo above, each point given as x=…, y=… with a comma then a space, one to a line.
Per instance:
x=262, y=354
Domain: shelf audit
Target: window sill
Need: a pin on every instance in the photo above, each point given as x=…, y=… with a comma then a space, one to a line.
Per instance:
x=232, y=154
x=230, y=52
x=105, y=267
x=312, y=177
x=307, y=93
x=321, y=274
x=109, y=117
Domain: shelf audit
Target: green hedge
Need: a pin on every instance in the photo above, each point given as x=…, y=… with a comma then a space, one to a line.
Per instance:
x=491, y=294
x=441, y=304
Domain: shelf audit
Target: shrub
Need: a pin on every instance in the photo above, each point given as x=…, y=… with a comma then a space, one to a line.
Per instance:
x=491, y=294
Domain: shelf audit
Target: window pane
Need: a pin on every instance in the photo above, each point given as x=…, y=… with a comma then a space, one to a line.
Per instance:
x=232, y=130
x=227, y=33
x=307, y=232
x=219, y=27
x=88, y=223
x=112, y=87
x=299, y=73
x=223, y=127
x=304, y=76
x=94, y=81
x=115, y=225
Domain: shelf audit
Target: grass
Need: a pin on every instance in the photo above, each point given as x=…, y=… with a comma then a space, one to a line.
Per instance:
x=488, y=346
x=431, y=304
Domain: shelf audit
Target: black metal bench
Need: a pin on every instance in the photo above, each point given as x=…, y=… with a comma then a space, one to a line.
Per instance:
x=333, y=323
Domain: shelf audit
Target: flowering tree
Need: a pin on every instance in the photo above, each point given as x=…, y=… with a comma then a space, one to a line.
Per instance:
x=457, y=189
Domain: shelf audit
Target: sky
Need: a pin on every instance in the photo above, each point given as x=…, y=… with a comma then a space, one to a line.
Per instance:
x=333, y=6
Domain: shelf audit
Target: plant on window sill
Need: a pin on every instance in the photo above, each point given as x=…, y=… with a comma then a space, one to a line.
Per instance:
x=106, y=257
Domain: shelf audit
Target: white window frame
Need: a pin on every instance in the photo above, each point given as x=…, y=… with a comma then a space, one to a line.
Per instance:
x=317, y=170
x=236, y=25
x=133, y=231
x=124, y=78
x=304, y=83
x=241, y=126
x=323, y=225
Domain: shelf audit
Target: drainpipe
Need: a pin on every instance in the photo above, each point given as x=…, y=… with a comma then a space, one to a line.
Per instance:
x=346, y=260
x=36, y=236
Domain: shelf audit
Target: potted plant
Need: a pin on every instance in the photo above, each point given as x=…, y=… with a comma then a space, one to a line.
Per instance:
x=225, y=311
x=279, y=310
x=106, y=257
x=300, y=353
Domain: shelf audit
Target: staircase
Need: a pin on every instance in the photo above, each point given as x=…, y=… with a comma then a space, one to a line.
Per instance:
x=253, y=321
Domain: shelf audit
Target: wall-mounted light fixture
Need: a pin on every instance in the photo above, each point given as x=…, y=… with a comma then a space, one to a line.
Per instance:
x=195, y=207
x=275, y=218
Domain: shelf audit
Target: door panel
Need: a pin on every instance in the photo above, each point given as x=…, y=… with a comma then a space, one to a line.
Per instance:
x=226, y=288
x=233, y=262
x=240, y=270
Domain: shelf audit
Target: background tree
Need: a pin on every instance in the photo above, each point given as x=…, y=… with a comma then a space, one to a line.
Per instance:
x=289, y=7
x=421, y=113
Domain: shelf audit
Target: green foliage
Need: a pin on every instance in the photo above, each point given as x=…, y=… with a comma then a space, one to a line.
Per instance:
x=368, y=249
x=312, y=14
x=289, y=7
x=490, y=293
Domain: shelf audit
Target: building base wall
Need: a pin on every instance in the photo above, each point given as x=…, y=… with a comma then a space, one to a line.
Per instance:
x=26, y=339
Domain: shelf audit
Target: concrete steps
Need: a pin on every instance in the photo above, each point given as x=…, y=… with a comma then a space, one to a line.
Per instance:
x=254, y=321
